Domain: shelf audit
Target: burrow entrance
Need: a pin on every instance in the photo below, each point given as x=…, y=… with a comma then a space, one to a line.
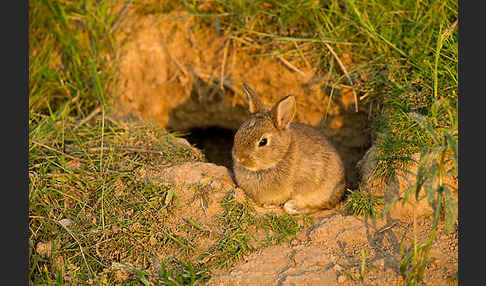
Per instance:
x=215, y=142
x=192, y=81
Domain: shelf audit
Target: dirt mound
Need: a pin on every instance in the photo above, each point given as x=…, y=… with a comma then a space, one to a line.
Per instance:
x=183, y=76
x=200, y=186
x=335, y=249
x=197, y=188
x=330, y=253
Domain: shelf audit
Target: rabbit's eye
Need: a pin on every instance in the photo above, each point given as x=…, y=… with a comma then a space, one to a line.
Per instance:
x=262, y=142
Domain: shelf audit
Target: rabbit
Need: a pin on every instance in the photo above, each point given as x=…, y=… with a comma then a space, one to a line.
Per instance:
x=279, y=162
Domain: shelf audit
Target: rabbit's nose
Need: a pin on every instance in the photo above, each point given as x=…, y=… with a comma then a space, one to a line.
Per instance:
x=241, y=159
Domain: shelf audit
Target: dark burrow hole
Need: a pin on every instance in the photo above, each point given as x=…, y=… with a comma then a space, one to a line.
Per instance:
x=215, y=142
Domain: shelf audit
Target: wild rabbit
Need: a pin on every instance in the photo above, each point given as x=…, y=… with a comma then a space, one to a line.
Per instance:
x=277, y=162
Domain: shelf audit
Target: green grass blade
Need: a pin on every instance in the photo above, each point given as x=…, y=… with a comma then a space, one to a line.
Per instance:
x=424, y=123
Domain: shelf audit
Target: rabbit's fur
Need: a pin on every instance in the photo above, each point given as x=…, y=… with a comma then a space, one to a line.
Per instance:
x=296, y=166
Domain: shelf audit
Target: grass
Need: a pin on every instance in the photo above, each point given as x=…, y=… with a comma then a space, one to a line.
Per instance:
x=244, y=232
x=400, y=57
x=430, y=185
x=362, y=203
x=97, y=192
x=406, y=51
x=116, y=216
x=69, y=47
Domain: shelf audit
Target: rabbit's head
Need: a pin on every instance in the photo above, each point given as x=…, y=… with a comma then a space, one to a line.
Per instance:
x=263, y=140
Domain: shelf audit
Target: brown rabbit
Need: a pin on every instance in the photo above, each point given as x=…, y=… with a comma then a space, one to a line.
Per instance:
x=277, y=162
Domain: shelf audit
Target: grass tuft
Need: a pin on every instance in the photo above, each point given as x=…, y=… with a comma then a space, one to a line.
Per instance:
x=364, y=204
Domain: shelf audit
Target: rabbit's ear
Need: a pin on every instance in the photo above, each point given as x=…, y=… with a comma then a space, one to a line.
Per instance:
x=255, y=104
x=283, y=112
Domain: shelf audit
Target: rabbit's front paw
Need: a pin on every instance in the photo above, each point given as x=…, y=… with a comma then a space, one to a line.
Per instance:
x=291, y=207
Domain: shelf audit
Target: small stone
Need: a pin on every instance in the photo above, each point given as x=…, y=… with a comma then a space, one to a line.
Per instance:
x=65, y=222
x=73, y=165
x=153, y=241
x=44, y=249
x=380, y=263
x=294, y=242
x=338, y=267
x=341, y=278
